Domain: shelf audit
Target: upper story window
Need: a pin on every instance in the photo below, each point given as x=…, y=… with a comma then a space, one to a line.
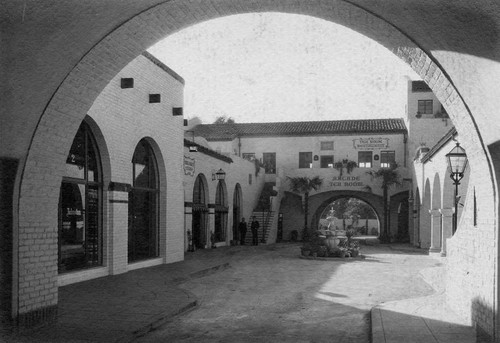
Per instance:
x=248, y=156
x=269, y=160
x=327, y=145
x=305, y=159
x=326, y=161
x=365, y=159
x=387, y=158
x=425, y=107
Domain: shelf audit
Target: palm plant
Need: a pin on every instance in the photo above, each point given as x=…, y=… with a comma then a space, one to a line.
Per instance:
x=389, y=177
x=304, y=185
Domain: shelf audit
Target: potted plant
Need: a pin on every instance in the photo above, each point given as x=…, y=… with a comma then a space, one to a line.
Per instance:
x=345, y=163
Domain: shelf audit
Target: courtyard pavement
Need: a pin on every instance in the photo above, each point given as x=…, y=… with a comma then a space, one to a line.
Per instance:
x=262, y=294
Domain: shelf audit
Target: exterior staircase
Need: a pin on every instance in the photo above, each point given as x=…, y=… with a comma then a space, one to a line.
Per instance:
x=265, y=219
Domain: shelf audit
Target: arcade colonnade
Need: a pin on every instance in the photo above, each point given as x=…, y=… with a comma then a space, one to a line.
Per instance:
x=59, y=57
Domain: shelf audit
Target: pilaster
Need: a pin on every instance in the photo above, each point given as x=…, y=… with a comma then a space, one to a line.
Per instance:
x=447, y=227
x=435, y=231
x=118, y=228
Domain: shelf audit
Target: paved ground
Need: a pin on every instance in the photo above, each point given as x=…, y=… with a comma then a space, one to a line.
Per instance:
x=269, y=295
x=245, y=294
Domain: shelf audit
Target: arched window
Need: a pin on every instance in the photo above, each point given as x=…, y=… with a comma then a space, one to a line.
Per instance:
x=236, y=211
x=80, y=201
x=220, y=212
x=143, y=242
x=200, y=210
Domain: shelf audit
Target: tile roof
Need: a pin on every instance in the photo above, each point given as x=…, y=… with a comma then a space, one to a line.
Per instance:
x=420, y=86
x=442, y=142
x=207, y=151
x=224, y=132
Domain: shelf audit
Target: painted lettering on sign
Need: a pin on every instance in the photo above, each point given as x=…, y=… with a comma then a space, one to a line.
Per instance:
x=346, y=181
x=370, y=143
x=189, y=166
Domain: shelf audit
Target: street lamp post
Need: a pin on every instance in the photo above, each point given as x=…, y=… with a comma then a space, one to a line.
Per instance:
x=457, y=162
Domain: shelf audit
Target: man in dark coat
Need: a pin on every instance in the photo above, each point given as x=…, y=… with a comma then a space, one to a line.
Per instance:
x=243, y=231
x=255, y=231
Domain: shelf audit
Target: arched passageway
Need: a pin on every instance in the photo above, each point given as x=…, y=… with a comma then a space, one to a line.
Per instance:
x=425, y=219
x=200, y=212
x=435, y=216
x=48, y=99
x=321, y=203
x=237, y=203
x=350, y=213
x=221, y=209
x=398, y=217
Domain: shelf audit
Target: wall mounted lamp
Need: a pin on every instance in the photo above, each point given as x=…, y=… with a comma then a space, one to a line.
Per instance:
x=457, y=162
x=219, y=175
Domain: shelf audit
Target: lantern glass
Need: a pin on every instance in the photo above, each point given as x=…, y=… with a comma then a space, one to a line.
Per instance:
x=457, y=160
x=220, y=175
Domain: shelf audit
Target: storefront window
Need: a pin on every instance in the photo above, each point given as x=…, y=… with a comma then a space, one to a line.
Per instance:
x=143, y=205
x=80, y=237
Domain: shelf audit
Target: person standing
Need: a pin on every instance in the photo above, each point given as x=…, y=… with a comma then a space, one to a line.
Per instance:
x=243, y=231
x=255, y=231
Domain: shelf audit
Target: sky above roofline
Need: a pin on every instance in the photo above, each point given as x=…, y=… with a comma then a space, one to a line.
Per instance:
x=272, y=67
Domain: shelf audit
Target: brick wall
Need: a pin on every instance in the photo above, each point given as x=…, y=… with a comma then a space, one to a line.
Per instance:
x=125, y=116
x=8, y=169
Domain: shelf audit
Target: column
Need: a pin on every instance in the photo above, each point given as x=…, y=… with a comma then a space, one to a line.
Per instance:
x=435, y=231
x=416, y=226
x=411, y=220
x=211, y=225
x=118, y=227
x=447, y=225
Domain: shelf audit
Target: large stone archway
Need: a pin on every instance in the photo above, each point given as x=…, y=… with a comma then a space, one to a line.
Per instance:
x=319, y=202
x=70, y=51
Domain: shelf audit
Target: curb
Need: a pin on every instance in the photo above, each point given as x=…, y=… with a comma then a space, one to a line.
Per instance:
x=377, y=326
x=202, y=273
x=162, y=320
x=158, y=322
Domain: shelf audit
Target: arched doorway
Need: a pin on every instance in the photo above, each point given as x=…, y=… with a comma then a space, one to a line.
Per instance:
x=143, y=233
x=200, y=212
x=416, y=217
x=80, y=205
x=350, y=213
x=398, y=217
x=425, y=219
x=221, y=209
x=236, y=212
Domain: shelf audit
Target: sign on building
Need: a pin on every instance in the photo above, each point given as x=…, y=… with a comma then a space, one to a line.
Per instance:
x=189, y=166
x=371, y=143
